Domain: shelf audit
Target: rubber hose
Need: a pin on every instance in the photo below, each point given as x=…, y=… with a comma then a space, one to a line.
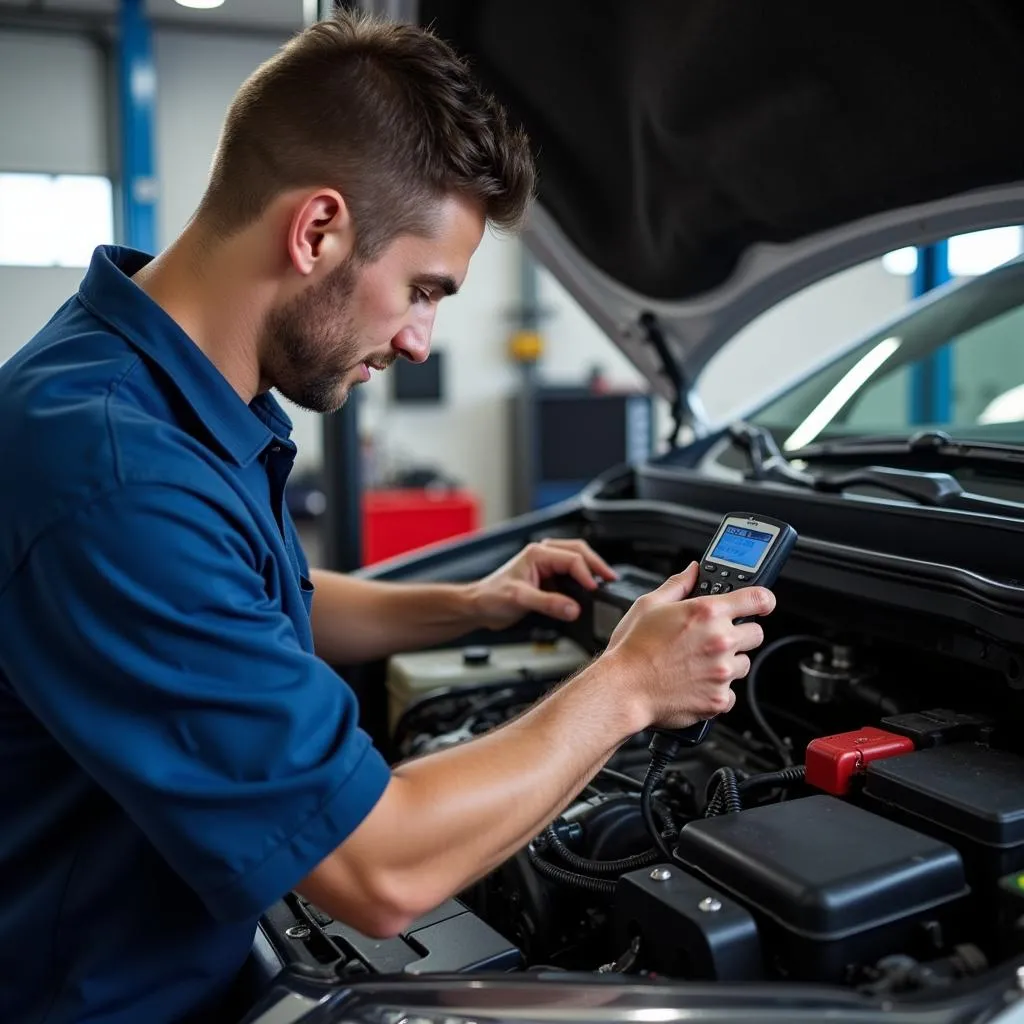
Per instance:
x=601, y=886
x=600, y=867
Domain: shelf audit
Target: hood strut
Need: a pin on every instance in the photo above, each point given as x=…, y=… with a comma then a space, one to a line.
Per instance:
x=671, y=367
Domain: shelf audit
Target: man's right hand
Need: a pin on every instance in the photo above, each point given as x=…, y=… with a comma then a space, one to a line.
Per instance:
x=448, y=818
x=678, y=658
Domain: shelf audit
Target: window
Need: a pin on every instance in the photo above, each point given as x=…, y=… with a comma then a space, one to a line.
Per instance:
x=49, y=220
x=966, y=348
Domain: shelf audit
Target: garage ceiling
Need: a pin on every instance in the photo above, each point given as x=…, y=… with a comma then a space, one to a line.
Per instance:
x=285, y=15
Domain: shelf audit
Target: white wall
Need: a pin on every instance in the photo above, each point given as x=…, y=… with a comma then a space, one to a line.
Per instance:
x=53, y=119
x=197, y=76
x=798, y=332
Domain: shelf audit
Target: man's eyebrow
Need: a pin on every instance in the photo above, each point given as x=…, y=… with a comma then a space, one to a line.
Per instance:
x=438, y=282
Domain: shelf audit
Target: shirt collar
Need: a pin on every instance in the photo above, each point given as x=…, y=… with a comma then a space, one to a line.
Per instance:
x=241, y=431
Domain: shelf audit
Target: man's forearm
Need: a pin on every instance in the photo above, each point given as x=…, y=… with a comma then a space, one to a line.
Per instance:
x=448, y=818
x=360, y=620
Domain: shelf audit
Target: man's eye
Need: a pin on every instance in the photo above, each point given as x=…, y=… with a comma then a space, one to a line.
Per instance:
x=420, y=295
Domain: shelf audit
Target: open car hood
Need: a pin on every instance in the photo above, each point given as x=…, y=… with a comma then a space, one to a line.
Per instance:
x=701, y=160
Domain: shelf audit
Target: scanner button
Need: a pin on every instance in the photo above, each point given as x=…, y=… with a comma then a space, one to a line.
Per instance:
x=717, y=588
x=704, y=586
x=725, y=588
x=724, y=574
x=710, y=567
x=742, y=577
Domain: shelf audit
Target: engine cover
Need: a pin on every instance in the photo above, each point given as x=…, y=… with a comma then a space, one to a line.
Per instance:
x=833, y=886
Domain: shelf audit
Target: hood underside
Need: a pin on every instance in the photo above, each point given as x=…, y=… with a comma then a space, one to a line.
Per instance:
x=702, y=159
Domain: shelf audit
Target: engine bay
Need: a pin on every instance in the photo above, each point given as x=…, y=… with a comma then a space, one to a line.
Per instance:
x=856, y=820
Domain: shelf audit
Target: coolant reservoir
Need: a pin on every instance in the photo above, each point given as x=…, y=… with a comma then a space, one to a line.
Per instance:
x=412, y=676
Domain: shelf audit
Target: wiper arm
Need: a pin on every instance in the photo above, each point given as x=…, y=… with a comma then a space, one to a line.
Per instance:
x=939, y=490
x=929, y=446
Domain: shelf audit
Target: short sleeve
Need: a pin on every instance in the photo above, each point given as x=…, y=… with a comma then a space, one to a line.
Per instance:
x=149, y=648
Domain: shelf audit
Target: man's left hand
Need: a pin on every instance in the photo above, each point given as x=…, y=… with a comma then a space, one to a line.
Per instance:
x=511, y=591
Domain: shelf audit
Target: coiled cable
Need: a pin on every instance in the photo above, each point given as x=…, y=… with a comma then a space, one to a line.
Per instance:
x=600, y=886
x=599, y=867
x=727, y=792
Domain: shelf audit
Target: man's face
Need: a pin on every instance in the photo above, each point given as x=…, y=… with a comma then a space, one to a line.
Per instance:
x=320, y=343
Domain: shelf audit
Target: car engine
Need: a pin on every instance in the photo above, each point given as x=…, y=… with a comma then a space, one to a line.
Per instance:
x=857, y=819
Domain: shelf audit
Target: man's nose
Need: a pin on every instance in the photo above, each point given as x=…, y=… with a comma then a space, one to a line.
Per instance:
x=413, y=342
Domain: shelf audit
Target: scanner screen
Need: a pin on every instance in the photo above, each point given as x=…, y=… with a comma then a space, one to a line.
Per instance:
x=741, y=546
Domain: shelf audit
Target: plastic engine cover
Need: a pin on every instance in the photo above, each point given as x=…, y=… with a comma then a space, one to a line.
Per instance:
x=832, y=885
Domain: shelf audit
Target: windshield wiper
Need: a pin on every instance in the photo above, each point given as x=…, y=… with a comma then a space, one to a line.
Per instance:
x=934, y=447
x=933, y=489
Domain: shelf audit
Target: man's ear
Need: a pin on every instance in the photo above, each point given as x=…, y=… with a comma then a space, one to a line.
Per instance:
x=320, y=231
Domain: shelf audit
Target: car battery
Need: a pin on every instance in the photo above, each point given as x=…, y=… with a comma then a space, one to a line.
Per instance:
x=831, y=885
x=968, y=795
x=411, y=677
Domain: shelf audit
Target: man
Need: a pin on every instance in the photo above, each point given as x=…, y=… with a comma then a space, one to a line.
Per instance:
x=176, y=753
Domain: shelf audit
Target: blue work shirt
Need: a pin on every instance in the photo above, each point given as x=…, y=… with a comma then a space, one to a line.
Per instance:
x=173, y=756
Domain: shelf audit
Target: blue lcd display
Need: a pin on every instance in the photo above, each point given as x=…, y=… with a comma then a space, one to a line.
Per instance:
x=742, y=546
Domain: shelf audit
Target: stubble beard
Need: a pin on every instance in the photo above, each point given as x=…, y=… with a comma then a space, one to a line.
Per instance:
x=309, y=346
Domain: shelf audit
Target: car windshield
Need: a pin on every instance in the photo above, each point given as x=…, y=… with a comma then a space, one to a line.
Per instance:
x=955, y=364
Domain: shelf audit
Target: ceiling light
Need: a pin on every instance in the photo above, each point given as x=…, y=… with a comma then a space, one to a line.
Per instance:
x=902, y=262
x=200, y=5
x=982, y=251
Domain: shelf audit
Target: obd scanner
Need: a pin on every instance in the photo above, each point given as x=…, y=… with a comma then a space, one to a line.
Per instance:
x=745, y=551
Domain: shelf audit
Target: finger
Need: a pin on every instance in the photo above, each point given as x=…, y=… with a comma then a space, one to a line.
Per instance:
x=676, y=587
x=594, y=561
x=748, y=601
x=748, y=636
x=742, y=669
x=558, y=606
x=553, y=559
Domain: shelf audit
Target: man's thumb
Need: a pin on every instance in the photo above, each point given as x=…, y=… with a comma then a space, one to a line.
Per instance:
x=676, y=587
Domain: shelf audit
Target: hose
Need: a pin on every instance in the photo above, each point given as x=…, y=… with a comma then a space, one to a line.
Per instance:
x=601, y=886
x=600, y=867
x=755, y=708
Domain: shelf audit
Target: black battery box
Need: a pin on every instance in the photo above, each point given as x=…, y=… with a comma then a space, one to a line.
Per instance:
x=831, y=885
x=968, y=795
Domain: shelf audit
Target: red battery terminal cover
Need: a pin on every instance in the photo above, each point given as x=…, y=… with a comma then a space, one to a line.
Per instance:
x=832, y=761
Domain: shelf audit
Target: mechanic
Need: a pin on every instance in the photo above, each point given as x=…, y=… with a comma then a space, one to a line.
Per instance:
x=176, y=752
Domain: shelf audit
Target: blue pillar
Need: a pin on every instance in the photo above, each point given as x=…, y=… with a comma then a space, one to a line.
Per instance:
x=137, y=91
x=931, y=380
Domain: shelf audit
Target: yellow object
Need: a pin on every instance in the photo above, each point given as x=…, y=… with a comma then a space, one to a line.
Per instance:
x=526, y=346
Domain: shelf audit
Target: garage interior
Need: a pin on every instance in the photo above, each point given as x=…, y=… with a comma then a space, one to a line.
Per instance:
x=859, y=822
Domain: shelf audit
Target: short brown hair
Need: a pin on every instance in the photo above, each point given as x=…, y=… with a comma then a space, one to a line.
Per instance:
x=385, y=112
